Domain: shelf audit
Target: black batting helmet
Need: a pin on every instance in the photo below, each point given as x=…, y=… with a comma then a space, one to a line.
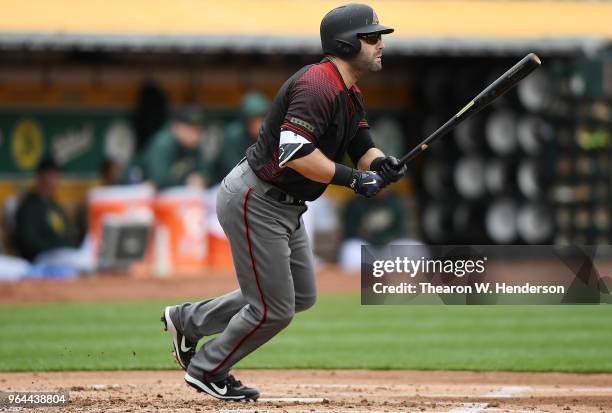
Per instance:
x=341, y=26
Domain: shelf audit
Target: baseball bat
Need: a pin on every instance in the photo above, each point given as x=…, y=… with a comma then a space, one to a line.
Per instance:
x=500, y=86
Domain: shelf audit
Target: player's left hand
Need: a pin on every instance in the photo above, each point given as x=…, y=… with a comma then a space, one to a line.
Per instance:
x=388, y=168
x=366, y=183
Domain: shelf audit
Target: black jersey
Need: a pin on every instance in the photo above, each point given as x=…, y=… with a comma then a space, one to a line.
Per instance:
x=315, y=109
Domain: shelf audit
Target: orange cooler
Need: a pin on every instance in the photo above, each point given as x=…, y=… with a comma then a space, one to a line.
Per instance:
x=134, y=202
x=219, y=252
x=181, y=232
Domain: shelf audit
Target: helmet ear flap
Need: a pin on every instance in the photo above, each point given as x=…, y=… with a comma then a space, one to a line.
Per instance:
x=347, y=48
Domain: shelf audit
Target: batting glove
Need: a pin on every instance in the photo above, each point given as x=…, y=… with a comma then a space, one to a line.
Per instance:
x=389, y=168
x=366, y=183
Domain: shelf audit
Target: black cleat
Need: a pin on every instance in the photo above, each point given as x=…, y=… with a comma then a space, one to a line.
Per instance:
x=184, y=350
x=226, y=389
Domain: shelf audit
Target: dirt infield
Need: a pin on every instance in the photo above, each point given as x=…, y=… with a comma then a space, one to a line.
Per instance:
x=313, y=391
x=125, y=288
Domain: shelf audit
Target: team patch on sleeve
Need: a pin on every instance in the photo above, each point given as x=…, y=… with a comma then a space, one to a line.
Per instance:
x=289, y=143
x=302, y=123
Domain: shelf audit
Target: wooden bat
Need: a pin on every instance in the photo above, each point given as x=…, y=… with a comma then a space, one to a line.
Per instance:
x=500, y=86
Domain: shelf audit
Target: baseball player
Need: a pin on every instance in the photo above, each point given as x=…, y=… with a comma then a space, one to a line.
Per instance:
x=317, y=116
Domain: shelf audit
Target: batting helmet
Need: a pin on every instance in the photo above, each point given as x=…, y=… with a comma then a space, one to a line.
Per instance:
x=341, y=26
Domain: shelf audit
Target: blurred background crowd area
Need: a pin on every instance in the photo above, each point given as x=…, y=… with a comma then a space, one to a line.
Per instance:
x=118, y=121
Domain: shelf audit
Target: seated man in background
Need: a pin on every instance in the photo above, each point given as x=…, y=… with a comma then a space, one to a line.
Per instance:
x=174, y=157
x=241, y=133
x=43, y=233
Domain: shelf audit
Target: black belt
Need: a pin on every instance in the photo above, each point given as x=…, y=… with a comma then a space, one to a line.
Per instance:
x=283, y=197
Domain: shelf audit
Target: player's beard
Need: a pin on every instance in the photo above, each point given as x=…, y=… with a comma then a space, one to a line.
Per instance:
x=366, y=62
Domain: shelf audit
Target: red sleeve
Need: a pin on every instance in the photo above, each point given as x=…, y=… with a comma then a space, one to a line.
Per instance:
x=311, y=105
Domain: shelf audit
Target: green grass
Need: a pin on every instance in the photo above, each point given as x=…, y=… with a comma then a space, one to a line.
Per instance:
x=337, y=333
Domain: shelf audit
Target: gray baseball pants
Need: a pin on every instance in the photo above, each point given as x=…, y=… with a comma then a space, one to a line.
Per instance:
x=274, y=265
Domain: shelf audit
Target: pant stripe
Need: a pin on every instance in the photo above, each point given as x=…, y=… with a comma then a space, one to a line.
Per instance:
x=263, y=301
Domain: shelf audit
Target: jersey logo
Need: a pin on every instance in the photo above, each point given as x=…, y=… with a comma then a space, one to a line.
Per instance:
x=303, y=124
x=56, y=221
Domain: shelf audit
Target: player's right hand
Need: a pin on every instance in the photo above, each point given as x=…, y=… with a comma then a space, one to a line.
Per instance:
x=366, y=183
